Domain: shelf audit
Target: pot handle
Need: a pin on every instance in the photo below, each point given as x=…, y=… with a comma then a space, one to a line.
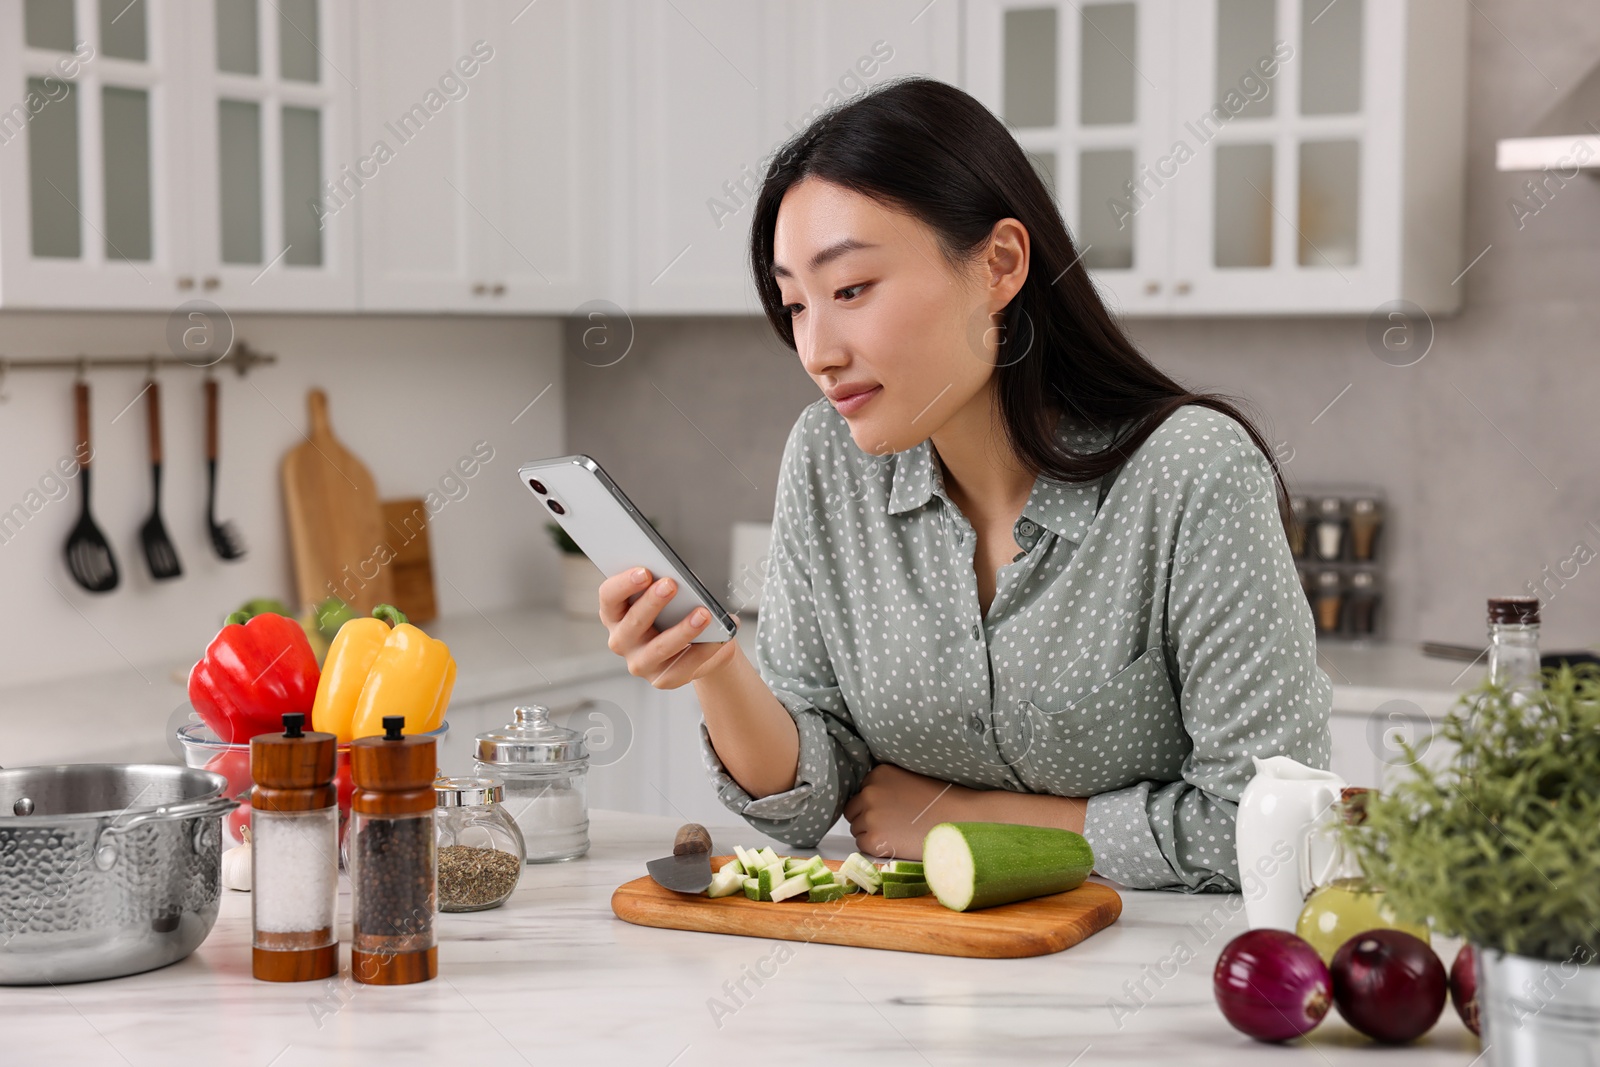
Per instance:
x=105, y=850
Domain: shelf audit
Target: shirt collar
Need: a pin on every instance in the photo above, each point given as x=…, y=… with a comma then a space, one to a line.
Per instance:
x=1064, y=508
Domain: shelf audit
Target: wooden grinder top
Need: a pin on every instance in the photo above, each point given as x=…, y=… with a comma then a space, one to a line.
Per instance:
x=393, y=774
x=293, y=771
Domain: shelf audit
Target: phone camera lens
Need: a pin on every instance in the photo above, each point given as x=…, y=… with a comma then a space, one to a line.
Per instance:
x=556, y=507
x=537, y=485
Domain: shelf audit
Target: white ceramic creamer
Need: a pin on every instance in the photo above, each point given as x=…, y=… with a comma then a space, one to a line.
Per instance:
x=1276, y=812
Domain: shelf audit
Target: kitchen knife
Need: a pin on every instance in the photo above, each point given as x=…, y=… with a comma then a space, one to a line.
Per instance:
x=688, y=869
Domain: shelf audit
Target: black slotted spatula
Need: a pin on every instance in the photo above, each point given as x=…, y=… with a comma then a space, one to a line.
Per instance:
x=89, y=556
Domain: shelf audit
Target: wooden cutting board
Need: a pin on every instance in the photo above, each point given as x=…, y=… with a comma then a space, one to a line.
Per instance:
x=336, y=530
x=406, y=525
x=919, y=924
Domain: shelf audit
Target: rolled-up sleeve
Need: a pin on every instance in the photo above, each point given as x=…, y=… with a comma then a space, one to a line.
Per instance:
x=1240, y=640
x=792, y=658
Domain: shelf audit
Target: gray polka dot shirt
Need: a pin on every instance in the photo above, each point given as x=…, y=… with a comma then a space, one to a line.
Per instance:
x=1149, y=639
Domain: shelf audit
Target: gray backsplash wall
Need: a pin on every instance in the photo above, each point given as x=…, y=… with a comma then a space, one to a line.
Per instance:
x=1486, y=449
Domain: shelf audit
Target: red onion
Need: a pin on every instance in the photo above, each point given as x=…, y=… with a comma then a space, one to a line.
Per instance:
x=1272, y=985
x=1464, y=987
x=1389, y=985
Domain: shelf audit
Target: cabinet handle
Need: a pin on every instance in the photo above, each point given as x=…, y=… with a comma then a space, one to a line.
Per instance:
x=1152, y=288
x=185, y=282
x=499, y=289
x=212, y=282
x=1182, y=288
x=479, y=289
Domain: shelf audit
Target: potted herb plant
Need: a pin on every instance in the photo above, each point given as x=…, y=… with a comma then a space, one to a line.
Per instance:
x=1502, y=848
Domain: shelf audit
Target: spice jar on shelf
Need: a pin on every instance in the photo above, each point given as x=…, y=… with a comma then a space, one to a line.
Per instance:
x=1361, y=603
x=1330, y=528
x=1327, y=601
x=391, y=845
x=481, y=851
x=294, y=870
x=1366, y=522
x=544, y=767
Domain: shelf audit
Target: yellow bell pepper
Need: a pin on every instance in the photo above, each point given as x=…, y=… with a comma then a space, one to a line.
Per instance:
x=374, y=669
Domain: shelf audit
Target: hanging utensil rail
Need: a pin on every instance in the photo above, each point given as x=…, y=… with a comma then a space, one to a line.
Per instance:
x=242, y=358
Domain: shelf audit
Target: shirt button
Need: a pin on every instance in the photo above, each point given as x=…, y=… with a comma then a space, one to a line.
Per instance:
x=977, y=632
x=1026, y=528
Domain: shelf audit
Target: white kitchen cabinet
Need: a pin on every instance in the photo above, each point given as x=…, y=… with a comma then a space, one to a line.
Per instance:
x=92, y=155
x=184, y=155
x=271, y=87
x=1242, y=156
x=715, y=87
x=488, y=119
x=707, y=101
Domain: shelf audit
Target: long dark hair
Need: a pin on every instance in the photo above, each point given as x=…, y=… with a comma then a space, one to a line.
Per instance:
x=933, y=151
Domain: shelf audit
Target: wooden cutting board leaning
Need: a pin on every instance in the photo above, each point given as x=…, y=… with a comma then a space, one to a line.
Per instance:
x=1034, y=927
x=336, y=528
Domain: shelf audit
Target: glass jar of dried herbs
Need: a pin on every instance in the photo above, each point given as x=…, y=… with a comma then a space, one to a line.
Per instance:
x=480, y=848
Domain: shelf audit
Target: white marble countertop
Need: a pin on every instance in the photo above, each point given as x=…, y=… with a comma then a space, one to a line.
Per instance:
x=553, y=977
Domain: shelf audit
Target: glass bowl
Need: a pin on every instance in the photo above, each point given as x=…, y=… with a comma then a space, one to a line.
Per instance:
x=201, y=748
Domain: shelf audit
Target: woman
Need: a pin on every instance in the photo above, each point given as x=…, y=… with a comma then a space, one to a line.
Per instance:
x=1018, y=574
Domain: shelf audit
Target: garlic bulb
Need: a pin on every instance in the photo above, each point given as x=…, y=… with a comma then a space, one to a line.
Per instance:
x=236, y=864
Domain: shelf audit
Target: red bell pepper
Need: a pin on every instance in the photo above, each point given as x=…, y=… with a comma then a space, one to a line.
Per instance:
x=253, y=673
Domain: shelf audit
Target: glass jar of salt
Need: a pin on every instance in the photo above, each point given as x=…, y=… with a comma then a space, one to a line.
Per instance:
x=480, y=845
x=294, y=871
x=544, y=768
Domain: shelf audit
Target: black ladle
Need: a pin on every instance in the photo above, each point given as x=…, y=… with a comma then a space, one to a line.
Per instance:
x=89, y=556
x=158, y=549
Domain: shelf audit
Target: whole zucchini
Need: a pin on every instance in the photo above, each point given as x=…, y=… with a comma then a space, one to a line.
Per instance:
x=980, y=864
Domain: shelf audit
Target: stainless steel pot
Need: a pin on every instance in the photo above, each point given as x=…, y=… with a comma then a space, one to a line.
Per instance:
x=106, y=869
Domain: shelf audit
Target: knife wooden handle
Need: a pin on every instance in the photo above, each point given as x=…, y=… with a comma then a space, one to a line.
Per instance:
x=692, y=837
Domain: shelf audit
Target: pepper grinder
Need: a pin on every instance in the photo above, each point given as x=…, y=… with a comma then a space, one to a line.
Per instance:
x=294, y=870
x=393, y=878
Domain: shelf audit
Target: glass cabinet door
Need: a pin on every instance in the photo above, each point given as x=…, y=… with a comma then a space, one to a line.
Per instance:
x=1085, y=87
x=1293, y=113
x=89, y=151
x=270, y=161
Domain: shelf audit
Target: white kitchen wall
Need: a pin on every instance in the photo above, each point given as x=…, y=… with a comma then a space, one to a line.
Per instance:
x=409, y=396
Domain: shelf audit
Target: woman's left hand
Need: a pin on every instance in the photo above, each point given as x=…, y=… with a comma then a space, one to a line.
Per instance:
x=895, y=808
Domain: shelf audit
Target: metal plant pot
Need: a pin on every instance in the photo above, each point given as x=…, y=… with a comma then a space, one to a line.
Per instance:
x=106, y=869
x=1539, y=1013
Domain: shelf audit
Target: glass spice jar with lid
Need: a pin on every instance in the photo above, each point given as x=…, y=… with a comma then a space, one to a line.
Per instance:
x=480, y=845
x=544, y=767
x=392, y=872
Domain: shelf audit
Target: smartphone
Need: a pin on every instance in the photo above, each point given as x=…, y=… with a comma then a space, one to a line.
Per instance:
x=597, y=514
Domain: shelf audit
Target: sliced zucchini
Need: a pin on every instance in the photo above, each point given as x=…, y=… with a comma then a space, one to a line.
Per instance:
x=725, y=883
x=732, y=865
x=797, y=886
x=822, y=894
x=752, y=888
x=897, y=890
x=906, y=867
x=822, y=877
x=855, y=875
x=901, y=877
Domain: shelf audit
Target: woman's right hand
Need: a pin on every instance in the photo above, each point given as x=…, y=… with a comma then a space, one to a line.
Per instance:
x=670, y=658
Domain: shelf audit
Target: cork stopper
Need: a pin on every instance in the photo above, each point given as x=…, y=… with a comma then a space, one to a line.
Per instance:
x=1514, y=610
x=293, y=771
x=393, y=774
x=1353, y=803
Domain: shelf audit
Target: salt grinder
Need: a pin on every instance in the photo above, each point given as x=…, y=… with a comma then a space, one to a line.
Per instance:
x=294, y=871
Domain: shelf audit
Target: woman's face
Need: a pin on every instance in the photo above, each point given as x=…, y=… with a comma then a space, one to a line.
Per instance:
x=875, y=304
